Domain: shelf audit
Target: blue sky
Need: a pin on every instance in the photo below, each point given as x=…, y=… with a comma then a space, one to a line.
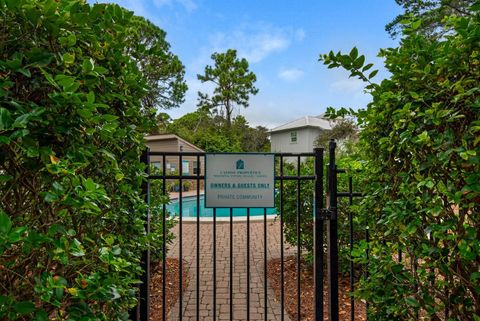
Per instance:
x=282, y=41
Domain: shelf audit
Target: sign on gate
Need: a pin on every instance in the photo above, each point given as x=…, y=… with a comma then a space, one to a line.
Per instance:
x=239, y=180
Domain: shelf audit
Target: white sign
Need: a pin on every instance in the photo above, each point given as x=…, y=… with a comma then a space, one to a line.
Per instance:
x=239, y=180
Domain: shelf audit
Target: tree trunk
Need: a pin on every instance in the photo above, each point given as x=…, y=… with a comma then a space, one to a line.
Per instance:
x=228, y=111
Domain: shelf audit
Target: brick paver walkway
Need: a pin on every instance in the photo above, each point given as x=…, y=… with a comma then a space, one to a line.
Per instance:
x=189, y=246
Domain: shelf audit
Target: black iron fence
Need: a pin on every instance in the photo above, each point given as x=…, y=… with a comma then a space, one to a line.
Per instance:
x=325, y=219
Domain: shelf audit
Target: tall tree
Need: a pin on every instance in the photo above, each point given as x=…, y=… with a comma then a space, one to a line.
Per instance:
x=209, y=132
x=206, y=131
x=432, y=14
x=162, y=121
x=162, y=69
x=345, y=130
x=233, y=81
x=252, y=139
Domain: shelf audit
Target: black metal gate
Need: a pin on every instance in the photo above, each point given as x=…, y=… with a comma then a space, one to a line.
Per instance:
x=324, y=218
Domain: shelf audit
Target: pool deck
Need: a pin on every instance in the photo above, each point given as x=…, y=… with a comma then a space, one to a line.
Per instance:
x=206, y=280
x=175, y=195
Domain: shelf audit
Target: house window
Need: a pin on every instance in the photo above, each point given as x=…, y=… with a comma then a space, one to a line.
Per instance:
x=196, y=170
x=293, y=137
x=171, y=167
x=185, y=167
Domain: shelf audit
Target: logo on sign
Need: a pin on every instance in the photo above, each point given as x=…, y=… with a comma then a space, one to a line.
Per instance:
x=240, y=164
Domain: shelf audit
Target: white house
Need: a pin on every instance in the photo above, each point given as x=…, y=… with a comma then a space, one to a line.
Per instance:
x=298, y=136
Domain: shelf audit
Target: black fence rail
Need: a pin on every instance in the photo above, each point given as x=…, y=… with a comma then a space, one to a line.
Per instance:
x=350, y=195
x=325, y=218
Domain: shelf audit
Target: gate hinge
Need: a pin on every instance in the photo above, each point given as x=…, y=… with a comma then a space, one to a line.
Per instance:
x=328, y=213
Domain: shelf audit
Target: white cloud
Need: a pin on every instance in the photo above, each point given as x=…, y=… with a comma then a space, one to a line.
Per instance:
x=348, y=85
x=300, y=34
x=253, y=42
x=266, y=117
x=189, y=5
x=133, y=5
x=140, y=8
x=261, y=45
x=256, y=42
x=161, y=3
x=290, y=74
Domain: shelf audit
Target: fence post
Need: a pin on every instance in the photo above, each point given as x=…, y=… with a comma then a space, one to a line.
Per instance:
x=142, y=311
x=318, y=234
x=332, y=236
x=145, y=285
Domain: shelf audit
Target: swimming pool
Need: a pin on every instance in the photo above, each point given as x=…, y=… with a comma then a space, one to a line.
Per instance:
x=189, y=209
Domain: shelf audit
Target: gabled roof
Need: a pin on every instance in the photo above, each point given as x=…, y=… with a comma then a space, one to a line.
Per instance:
x=160, y=137
x=307, y=121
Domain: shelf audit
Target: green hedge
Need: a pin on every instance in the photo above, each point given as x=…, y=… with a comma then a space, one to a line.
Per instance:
x=71, y=133
x=420, y=140
x=306, y=207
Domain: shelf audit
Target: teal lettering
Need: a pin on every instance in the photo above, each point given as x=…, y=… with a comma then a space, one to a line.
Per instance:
x=219, y=185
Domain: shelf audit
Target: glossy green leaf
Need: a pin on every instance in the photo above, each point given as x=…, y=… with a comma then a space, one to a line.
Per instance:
x=48, y=77
x=16, y=234
x=372, y=74
x=88, y=65
x=25, y=72
x=358, y=63
x=354, y=53
x=24, y=307
x=71, y=40
x=5, y=119
x=5, y=223
x=5, y=178
x=416, y=24
x=367, y=67
x=412, y=302
x=77, y=248
x=68, y=58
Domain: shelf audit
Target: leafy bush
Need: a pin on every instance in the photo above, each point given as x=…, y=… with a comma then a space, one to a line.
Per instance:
x=71, y=133
x=420, y=139
x=344, y=132
x=157, y=200
x=215, y=136
x=306, y=207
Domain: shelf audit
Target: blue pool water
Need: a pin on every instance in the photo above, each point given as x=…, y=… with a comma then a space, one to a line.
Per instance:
x=190, y=209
